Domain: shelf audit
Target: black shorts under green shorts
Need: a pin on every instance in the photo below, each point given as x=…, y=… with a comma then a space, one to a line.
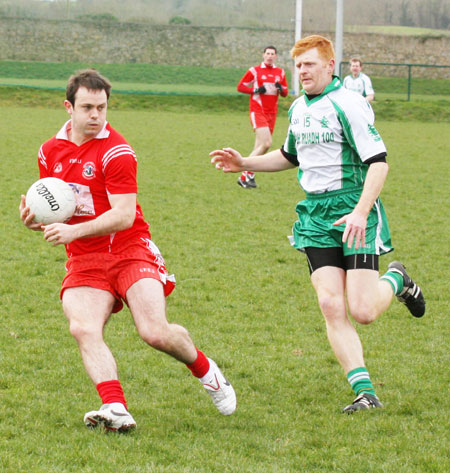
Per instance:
x=318, y=212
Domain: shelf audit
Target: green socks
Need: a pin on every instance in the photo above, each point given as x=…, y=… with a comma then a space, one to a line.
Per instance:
x=359, y=380
x=395, y=280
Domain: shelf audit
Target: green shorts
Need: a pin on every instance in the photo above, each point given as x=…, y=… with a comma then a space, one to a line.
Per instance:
x=318, y=212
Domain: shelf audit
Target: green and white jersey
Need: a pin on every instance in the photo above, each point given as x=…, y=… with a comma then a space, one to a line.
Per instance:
x=332, y=135
x=361, y=84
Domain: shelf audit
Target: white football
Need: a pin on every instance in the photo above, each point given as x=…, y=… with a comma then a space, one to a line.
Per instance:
x=51, y=200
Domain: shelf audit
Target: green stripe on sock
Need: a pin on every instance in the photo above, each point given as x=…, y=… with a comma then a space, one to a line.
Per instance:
x=395, y=280
x=359, y=380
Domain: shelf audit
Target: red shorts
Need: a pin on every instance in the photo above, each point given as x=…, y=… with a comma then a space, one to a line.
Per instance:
x=260, y=120
x=116, y=273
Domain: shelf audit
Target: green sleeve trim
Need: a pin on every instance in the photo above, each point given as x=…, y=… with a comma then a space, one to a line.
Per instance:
x=353, y=171
x=346, y=127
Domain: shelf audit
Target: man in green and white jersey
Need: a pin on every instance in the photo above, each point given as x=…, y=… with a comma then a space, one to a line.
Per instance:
x=341, y=226
x=358, y=81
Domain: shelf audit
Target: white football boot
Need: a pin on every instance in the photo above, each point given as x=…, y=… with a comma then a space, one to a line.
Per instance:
x=220, y=390
x=112, y=416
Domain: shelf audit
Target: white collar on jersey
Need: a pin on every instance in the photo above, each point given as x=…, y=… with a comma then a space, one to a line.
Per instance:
x=62, y=134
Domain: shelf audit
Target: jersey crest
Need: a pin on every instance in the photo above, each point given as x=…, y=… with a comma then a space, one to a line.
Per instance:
x=89, y=170
x=57, y=168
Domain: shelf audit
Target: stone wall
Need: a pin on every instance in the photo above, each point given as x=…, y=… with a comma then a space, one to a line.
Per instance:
x=59, y=41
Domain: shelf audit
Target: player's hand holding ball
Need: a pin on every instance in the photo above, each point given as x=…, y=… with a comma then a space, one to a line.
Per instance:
x=51, y=200
x=48, y=200
x=60, y=233
x=27, y=217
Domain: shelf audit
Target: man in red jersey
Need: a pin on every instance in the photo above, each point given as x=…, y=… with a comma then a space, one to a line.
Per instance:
x=111, y=257
x=264, y=83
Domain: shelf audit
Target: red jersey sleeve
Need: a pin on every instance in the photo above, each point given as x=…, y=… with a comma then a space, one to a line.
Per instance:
x=43, y=162
x=119, y=166
x=284, y=85
x=246, y=83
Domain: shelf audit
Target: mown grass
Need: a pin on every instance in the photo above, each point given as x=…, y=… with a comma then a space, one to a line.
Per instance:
x=246, y=298
x=134, y=73
x=133, y=87
x=397, y=30
x=182, y=80
x=437, y=110
x=419, y=86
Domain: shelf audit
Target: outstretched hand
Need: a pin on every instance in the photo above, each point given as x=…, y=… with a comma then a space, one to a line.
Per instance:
x=355, y=229
x=227, y=159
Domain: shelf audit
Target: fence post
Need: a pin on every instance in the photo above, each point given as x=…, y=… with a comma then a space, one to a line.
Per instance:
x=409, y=81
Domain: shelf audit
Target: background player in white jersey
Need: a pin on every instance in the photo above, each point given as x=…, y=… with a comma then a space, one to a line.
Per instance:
x=358, y=81
x=111, y=257
x=341, y=225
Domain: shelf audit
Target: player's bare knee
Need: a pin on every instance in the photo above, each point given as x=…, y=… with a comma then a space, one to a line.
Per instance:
x=331, y=308
x=157, y=337
x=156, y=340
x=82, y=332
x=363, y=313
x=267, y=143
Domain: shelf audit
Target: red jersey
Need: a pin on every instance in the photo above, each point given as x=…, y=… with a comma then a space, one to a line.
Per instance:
x=267, y=76
x=103, y=165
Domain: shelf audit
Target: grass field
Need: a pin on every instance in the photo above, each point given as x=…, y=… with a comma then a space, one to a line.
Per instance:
x=126, y=73
x=246, y=298
x=389, y=109
x=183, y=80
x=397, y=30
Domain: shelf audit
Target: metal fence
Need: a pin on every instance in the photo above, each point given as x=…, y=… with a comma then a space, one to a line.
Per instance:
x=405, y=79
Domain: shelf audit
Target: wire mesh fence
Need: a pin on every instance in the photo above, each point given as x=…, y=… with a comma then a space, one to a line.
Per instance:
x=391, y=81
x=406, y=81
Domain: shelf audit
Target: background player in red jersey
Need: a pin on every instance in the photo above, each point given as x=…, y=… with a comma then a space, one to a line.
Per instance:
x=111, y=257
x=264, y=83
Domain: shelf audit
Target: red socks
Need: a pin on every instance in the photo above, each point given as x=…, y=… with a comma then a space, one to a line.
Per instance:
x=111, y=391
x=200, y=366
